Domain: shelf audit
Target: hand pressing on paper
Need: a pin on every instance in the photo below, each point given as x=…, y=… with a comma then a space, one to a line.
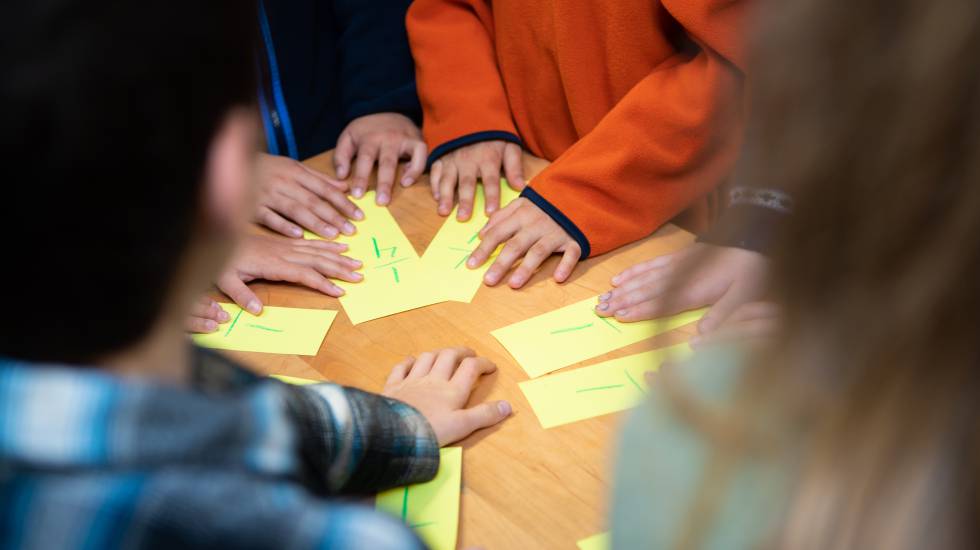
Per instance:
x=293, y=196
x=385, y=139
x=697, y=276
x=438, y=384
x=531, y=236
x=206, y=315
x=304, y=262
x=458, y=171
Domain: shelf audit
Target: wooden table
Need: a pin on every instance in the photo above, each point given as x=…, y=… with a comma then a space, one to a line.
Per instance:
x=523, y=486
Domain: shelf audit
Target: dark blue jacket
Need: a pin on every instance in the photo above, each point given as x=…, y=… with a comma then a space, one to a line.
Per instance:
x=336, y=60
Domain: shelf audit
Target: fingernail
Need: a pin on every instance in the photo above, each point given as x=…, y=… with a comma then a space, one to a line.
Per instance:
x=254, y=306
x=356, y=276
x=516, y=280
x=382, y=198
x=296, y=232
x=605, y=296
x=210, y=325
x=490, y=278
x=356, y=262
x=406, y=181
x=615, y=280
x=620, y=313
x=358, y=192
x=223, y=316
x=602, y=307
x=339, y=291
x=329, y=231
x=342, y=172
x=349, y=228
x=504, y=408
x=358, y=214
x=471, y=263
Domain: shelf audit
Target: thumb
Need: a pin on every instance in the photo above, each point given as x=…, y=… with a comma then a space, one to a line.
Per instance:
x=723, y=308
x=240, y=293
x=483, y=415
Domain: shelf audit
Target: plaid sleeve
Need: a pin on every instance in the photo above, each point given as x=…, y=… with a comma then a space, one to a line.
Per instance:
x=357, y=442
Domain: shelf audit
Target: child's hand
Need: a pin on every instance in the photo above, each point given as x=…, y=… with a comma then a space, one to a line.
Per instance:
x=304, y=262
x=751, y=324
x=291, y=192
x=724, y=276
x=462, y=167
x=439, y=384
x=206, y=315
x=385, y=138
x=530, y=234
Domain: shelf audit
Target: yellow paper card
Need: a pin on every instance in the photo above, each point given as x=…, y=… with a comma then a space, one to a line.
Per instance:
x=446, y=255
x=394, y=280
x=277, y=330
x=431, y=509
x=575, y=333
x=295, y=380
x=604, y=388
x=595, y=542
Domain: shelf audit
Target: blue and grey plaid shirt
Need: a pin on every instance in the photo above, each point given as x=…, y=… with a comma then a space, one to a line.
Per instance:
x=90, y=460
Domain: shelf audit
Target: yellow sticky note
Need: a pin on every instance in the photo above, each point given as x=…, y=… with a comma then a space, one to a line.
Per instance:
x=604, y=388
x=277, y=330
x=447, y=253
x=595, y=542
x=394, y=279
x=295, y=380
x=431, y=509
x=575, y=333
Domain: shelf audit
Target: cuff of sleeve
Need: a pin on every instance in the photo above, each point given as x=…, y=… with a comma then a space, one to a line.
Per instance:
x=470, y=139
x=561, y=219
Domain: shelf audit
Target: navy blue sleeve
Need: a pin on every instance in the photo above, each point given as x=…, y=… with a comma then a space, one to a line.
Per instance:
x=376, y=68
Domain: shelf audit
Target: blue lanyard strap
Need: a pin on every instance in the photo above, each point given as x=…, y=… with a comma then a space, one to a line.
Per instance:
x=281, y=112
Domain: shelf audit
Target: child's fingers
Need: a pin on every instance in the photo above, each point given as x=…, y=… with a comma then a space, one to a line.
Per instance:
x=238, y=291
x=200, y=325
x=422, y=365
x=514, y=250
x=643, y=267
x=469, y=372
x=335, y=183
x=387, y=166
x=316, y=245
x=206, y=308
x=569, y=259
x=500, y=215
x=754, y=329
x=303, y=275
x=483, y=415
x=514, y=166
x=343, y=154
x=435, y=175
x=467, y=190
x=535, y=256
x=447, y=188
x=489, y=242
x=277, y=223
x=400, y=371
x=416, y=164
x=490, y=175
x=363, y=165
x=448, y=359
x=295, y=202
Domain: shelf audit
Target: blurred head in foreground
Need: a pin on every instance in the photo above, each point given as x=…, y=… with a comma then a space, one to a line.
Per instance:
x=868, y=113
x=127, y=142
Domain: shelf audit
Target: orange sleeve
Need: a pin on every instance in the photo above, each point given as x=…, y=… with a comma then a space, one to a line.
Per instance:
x=459, y=85
x=668, y=142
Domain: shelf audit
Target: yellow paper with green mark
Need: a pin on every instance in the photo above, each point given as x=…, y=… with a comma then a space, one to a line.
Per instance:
x=277, y=330
x=431, y=509
x=453, y=244
x=394, y=278
x=575, y=333
x=604, y=388
x=295, y=380
x=595, y=542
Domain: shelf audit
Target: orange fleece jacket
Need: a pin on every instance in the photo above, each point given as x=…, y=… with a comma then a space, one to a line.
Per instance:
x=634, y=101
